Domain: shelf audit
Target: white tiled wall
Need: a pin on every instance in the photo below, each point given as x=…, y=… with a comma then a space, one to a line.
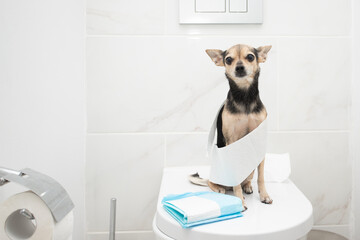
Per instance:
x=42, y=93
x=170, y=84
x=152, y=93
x=317, y=96
x=127, y=167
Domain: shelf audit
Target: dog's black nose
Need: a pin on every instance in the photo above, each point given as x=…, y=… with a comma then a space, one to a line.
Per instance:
x=240, y=69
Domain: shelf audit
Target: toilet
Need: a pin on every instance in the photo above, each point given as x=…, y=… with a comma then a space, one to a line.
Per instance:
x=290, y=217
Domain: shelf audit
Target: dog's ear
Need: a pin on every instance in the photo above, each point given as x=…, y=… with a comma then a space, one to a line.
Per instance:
x=262, y=53
x=216, y=56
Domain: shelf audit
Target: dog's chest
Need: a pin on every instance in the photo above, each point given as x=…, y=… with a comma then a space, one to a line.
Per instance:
x=236, y=126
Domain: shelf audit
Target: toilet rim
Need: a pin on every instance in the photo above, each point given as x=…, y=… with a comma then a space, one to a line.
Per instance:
x=158, y=232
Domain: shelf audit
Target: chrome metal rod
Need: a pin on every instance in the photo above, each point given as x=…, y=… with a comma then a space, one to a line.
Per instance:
x=6, y=171
x=112, y=218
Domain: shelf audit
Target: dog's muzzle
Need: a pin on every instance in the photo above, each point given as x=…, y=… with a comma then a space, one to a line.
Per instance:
x=240, y=71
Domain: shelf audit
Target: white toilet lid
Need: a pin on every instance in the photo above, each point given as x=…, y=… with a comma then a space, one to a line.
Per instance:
x=289, y=217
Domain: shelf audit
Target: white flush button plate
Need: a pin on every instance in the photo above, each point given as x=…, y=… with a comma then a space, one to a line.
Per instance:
x=220, y=11
x=238, y=6
x=210, y=6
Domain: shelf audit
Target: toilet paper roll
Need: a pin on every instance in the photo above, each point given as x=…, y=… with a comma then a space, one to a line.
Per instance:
x=277, y=167
x=43, y=226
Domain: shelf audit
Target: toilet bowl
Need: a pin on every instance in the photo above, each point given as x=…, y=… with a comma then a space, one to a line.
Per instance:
x=288, y=218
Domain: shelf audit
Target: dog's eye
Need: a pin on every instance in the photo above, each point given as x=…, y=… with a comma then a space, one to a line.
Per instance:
x=250, y=57
x=228, y=60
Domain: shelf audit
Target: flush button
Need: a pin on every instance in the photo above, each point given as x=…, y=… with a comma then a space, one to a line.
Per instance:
x=208, y=6
x=220, y=11
x=238, y=6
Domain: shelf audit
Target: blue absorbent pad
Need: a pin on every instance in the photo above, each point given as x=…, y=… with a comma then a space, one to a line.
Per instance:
x=198, y=208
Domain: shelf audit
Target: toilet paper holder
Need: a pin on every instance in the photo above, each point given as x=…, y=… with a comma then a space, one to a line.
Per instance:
x=49, y=190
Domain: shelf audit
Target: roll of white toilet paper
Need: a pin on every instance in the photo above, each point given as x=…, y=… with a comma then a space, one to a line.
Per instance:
x=277, y=167
x=41, y=226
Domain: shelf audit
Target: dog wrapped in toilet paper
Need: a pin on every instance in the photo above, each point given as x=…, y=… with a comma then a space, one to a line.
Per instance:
x=240, y=123
x=232, y=164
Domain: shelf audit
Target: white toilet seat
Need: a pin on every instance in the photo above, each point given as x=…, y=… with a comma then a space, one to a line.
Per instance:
x=288, y=218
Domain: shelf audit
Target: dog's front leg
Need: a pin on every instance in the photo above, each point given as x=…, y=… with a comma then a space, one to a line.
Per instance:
x=264, y=196
x=238, y=192
x=216, y=187
x=246, y=184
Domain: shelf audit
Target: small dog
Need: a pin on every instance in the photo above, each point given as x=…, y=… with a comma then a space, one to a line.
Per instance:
x=243, y=110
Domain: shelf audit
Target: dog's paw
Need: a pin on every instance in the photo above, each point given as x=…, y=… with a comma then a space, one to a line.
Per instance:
x=247, y=188
x=216, y=188
x=265, y=198
x=244, y=204
x=245, y=208
x=220, y=190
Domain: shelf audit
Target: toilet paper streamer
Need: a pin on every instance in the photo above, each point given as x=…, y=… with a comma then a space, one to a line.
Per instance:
x=46, y=227
x=232, y=164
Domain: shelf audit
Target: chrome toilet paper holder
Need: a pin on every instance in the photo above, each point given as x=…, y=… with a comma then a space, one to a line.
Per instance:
x=49, y=190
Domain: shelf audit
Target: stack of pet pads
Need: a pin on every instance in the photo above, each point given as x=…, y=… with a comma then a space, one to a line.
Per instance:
x=198, y=208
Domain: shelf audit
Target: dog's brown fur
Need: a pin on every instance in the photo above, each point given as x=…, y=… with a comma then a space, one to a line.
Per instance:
x=239, y=118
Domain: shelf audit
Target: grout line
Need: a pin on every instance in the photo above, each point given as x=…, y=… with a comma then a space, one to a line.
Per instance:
x=330, y=225
x=147, y=133
x=214, y=35
x=203, y=133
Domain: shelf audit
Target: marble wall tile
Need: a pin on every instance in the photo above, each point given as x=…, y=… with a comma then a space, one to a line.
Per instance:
x=186, y=149
x=281, y=17
x=162, y=84
x=125, y=17
x=321, y=169
x=129, y=168
x=314, y=83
